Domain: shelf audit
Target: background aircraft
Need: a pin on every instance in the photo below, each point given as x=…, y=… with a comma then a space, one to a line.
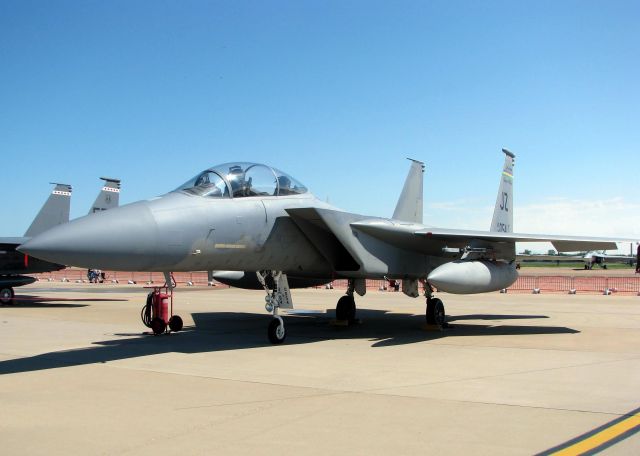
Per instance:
x=15, y=265
x=602, y=258
x=589, y=259
x=252, y=217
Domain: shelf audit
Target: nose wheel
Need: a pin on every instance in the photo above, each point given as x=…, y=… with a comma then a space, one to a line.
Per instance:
x=276, y=331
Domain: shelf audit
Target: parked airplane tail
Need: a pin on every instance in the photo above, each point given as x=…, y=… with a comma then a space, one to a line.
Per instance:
x=55, y=211
x=503, y=212
x=108, y=197
x=409, y=207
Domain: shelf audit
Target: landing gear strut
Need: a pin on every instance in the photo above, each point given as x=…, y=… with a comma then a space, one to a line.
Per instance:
x=278, y=297
x=435, y=309
x=6, y=295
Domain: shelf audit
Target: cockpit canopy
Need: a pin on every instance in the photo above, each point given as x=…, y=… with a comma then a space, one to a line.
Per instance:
x=239, y=180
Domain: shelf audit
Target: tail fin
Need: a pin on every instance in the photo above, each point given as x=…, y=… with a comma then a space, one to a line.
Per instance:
x=409, y=207
x=54, y=212
x=108, y=197
x=503, y=212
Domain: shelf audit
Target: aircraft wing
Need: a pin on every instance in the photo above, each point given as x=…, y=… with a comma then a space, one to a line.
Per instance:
x=13, y=240
x=418, y=236
x=606, y=256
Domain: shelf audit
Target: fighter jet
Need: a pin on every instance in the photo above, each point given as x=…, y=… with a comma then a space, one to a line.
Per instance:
x=590, y=259
x=13, y=264
x=602, y=258
x=55, y=211
x=255, y=218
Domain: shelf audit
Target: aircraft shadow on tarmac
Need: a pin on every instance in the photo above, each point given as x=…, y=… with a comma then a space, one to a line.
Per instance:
x=27, y=301
x=218, y=331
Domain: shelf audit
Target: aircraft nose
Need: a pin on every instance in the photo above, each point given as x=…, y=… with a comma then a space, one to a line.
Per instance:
x=123, y=238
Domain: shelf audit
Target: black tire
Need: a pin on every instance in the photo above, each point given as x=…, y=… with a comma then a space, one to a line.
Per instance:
x=175, y=323
x=276, y=332
x=158, y=326
x=435, y=312
x=6, y=295
x=346, y=308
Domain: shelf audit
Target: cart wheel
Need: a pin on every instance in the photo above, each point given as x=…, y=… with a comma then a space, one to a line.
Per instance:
x=175, y=323
x=158, y=326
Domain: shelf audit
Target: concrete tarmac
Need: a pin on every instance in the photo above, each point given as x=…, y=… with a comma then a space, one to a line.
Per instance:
x=516, y=374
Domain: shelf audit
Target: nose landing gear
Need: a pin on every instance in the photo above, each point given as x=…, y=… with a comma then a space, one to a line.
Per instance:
x=278, y=296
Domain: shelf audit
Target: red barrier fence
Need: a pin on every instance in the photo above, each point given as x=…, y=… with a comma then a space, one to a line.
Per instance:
x=75, y=275
x=543, y=284
x=565, y=284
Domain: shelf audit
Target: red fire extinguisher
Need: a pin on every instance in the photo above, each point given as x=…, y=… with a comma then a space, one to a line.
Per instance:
x=156, y=314
x=161, y=306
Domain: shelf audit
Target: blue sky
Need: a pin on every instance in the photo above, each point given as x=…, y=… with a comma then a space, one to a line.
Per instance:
x=335, y=93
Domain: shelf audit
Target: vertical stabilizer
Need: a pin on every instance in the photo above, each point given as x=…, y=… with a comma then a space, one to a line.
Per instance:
x=54, y=212
x=109, y=195
x=503, y=212
x=409, y=207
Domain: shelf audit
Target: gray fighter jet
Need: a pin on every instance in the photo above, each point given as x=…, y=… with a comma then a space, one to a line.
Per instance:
x=15, y=265
x=254, y=218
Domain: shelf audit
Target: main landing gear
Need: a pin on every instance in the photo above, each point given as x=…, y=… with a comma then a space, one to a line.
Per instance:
x=276, y=286
x=6, y=295
x=157, y=313
x=346, y=306
x=435, y=313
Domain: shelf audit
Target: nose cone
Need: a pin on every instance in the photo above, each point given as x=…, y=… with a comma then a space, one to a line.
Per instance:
x=123, y=238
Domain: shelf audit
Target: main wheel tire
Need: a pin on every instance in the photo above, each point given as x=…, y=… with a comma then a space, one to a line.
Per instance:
x=435, y=312
x=346, y=308
x=175, y=323
x=6, y=295
x=158, y=326
x=276, y=332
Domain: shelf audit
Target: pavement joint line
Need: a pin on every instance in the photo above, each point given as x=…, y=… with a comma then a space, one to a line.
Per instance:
x=375, y=391
x=208, y=377
x=308, y=396
x=506, y=374
x=527, y=348
x=498, y=404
